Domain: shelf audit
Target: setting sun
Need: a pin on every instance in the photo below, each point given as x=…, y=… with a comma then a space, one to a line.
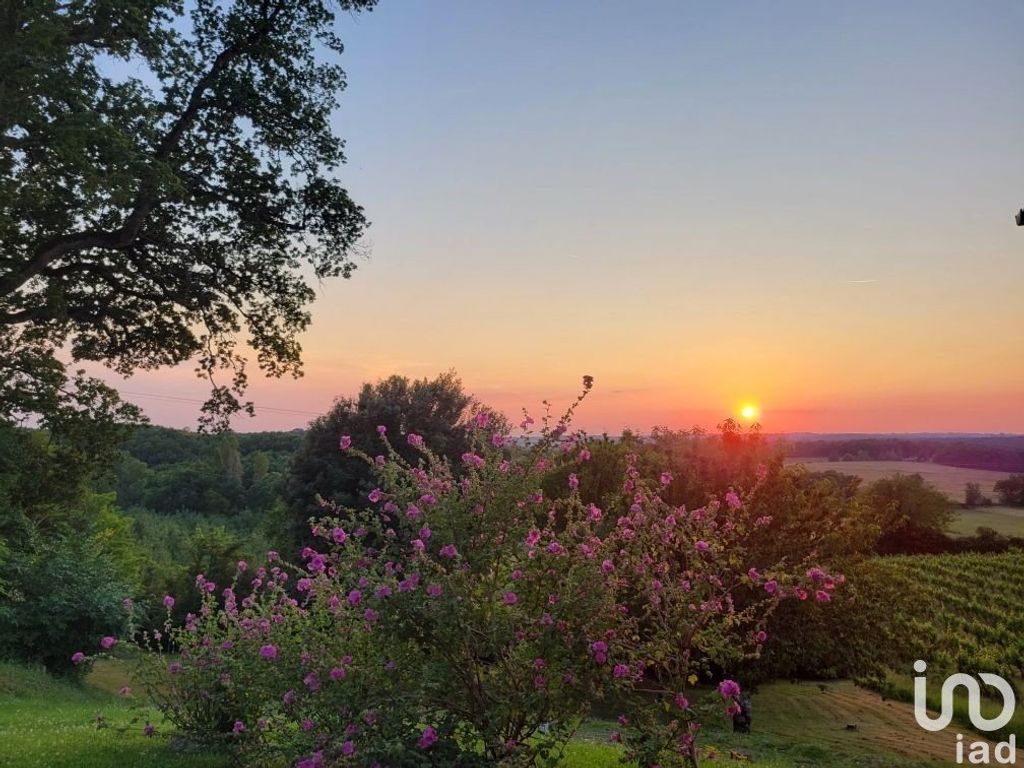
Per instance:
x=700, y=265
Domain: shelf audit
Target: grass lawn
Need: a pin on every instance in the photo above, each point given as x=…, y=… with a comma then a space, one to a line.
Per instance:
x=46, y=723
x=806, y=724
x=901, y=687
x=1008, y=521
x=52, y=724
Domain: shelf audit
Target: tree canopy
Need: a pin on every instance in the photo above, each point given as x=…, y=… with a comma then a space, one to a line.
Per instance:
x=168, y=182
x=435, y=409
x=1011, y=490
x=912, y=514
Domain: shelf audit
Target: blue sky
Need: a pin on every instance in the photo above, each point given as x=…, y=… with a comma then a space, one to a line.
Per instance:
x=803, y=205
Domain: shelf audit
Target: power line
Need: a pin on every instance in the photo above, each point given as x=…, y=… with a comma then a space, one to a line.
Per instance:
x=192, y=400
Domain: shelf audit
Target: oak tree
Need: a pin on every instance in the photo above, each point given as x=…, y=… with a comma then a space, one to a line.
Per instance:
x=168, y=188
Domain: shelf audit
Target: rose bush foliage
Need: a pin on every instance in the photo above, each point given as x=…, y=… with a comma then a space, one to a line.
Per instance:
x=464, y=618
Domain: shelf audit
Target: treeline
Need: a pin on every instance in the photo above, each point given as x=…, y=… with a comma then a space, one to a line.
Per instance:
x=998, y=453
x=178, y=472
x=91, y=519
x=100, y=518
x=198, y=503
x=170, y=471
x=96, y=517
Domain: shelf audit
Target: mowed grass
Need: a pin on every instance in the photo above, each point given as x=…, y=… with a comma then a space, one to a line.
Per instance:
x=1008, y=521
x=808, y=724
x=52, y=724
x=47, y=723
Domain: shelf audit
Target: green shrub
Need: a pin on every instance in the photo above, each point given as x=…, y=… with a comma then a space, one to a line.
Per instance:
x=61, y=594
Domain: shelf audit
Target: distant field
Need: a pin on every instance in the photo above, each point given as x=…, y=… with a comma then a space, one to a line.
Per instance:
x=950, y=480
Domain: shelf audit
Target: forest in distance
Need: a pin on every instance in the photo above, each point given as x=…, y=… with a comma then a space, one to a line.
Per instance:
x=170, y=471
x=1000, y=453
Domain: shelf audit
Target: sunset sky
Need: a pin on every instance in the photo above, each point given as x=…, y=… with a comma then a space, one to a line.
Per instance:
x=803, y=205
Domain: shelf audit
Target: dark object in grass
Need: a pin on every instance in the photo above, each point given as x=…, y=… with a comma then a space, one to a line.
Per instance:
x=851, y=726
x=741, y=720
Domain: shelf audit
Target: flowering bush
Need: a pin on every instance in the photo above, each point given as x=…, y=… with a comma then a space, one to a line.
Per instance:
x=464, y=618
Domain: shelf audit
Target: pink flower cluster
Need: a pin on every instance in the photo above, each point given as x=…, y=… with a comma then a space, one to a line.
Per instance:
x=470, y=561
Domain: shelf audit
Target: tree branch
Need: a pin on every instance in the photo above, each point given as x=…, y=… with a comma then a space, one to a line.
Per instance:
x=147, y=199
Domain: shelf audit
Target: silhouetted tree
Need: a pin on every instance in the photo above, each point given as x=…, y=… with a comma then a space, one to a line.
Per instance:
x=436, y=409
x=912, y=515
x=166, y=179
x=973, y=496
x=1011, y=490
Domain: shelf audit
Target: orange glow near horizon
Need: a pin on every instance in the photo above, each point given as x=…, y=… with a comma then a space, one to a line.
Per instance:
x=681, y=243
x=750, y=412
x=619, y=401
